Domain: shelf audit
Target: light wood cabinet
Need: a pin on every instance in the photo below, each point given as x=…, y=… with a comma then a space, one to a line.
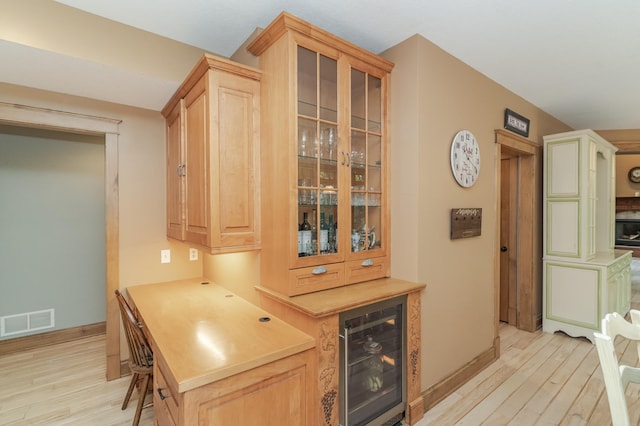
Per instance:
x=317, y=314
x=272, y=394
x=218, y=359
x=584, y=277
x=325, y=157
x=213, y=152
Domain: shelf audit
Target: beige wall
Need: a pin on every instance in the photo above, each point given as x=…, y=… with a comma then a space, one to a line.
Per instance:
x=55, y=27
x=434, y=95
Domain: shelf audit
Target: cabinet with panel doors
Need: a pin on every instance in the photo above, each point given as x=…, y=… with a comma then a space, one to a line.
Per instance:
x=213, y=153
x=584, y=278
x=325, y=158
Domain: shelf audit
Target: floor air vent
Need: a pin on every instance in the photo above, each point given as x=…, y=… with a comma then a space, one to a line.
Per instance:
x=27, y=322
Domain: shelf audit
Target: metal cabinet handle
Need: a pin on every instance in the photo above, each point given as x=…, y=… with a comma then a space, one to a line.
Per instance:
x=367, y=262
x=161, y=395
x=319, y=270
x=344, y=158
x=180, y=169
x=348, y=159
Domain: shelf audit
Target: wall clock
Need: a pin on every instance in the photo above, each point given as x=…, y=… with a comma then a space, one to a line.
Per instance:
x=465, y=158
x=634, y=174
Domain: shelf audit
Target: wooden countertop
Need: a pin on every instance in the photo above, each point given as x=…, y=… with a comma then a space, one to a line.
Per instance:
x=340, y=299
x=206, y=333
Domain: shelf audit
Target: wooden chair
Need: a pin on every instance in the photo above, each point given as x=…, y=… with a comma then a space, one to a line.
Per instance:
x=616, y=376
x=140, y=357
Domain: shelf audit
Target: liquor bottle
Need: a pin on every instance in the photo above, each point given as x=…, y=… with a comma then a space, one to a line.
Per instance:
x=332, y=235
x=314, y=234
x=324, y=235
x=300, y=249
x=305, y=230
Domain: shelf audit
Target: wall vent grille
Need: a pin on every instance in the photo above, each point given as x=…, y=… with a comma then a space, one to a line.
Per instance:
x=27, y=322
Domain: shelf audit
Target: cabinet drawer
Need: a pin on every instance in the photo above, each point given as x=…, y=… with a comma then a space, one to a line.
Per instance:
x=162, y=414
x=167, y=408
x=368, y=269
x=316, y=278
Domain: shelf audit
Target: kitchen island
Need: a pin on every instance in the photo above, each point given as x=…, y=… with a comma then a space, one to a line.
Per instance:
x=218, y=359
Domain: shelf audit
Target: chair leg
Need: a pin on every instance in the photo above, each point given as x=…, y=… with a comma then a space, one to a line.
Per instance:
x=142, y=393
x=134, y=380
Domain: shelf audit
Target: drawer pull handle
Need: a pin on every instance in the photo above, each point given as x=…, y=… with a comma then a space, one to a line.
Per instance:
x=367, y=262
x=319, y=270
x=161, y=395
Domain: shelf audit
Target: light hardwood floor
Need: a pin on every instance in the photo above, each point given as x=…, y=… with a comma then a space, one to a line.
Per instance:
x=64, y=384
x=540, y=379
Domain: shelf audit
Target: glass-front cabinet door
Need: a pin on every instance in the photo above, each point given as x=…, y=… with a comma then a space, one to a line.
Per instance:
x=367, y=156
x=318, y=185
x=333, y=176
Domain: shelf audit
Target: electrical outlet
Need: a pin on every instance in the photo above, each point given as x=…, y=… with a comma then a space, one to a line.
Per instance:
x=165, y=256
x=193, y=254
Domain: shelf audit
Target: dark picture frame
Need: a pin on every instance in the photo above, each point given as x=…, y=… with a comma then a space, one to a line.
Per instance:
x=516, y=123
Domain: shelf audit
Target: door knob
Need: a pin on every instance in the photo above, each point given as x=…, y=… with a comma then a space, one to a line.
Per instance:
x=503, y=249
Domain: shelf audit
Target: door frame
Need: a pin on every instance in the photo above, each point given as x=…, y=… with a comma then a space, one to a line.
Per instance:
x=529, y=289
x=30, y=116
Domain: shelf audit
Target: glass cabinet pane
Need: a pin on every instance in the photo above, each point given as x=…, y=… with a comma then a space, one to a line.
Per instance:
x=328, y=89
x=374, y=104
x=307, y=82
x=374, y=164
x=358, y=99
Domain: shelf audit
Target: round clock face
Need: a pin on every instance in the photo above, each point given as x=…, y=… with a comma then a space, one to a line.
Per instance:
x=465, y=158
x=634, y=174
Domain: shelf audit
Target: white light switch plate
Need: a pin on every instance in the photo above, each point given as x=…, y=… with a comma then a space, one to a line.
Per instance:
x=165, y=256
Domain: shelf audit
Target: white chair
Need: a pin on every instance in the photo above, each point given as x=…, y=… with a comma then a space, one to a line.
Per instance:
x=616, y=376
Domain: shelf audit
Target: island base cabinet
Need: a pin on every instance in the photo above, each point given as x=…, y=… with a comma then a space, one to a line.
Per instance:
x=272, y=394
x=577, y=295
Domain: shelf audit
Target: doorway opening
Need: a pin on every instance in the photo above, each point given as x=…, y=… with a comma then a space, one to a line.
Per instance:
x=28, y=116
x=518, y=293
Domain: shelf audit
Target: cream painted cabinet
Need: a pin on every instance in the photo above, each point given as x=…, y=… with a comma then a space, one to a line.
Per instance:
x=584, y=277
x=213, y=157
x=325, y=157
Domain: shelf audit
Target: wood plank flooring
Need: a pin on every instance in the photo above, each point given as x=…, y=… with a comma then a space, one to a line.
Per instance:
x=64, y=384
x=540, y=379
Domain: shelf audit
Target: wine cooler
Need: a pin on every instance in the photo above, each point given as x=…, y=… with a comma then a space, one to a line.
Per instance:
x=372, y=368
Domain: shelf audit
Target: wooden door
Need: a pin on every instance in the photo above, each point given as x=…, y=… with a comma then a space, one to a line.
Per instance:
x=175, y=172
x=508, y=239
x=197, y=165
x=521, y=263
x=235, y=154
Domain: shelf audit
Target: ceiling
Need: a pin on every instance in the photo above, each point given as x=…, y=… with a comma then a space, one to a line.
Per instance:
x=575, y=59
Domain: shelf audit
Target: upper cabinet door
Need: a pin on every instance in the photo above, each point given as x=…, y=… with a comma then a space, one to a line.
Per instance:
x=368, y=153
x=213, y=157
x=318, y=181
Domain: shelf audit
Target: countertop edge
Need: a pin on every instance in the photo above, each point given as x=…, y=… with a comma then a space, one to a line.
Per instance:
x=185, y=385
x=301, y=304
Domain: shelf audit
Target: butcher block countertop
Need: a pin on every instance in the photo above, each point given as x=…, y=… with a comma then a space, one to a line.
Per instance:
x=205, y=333
x=340, y=299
